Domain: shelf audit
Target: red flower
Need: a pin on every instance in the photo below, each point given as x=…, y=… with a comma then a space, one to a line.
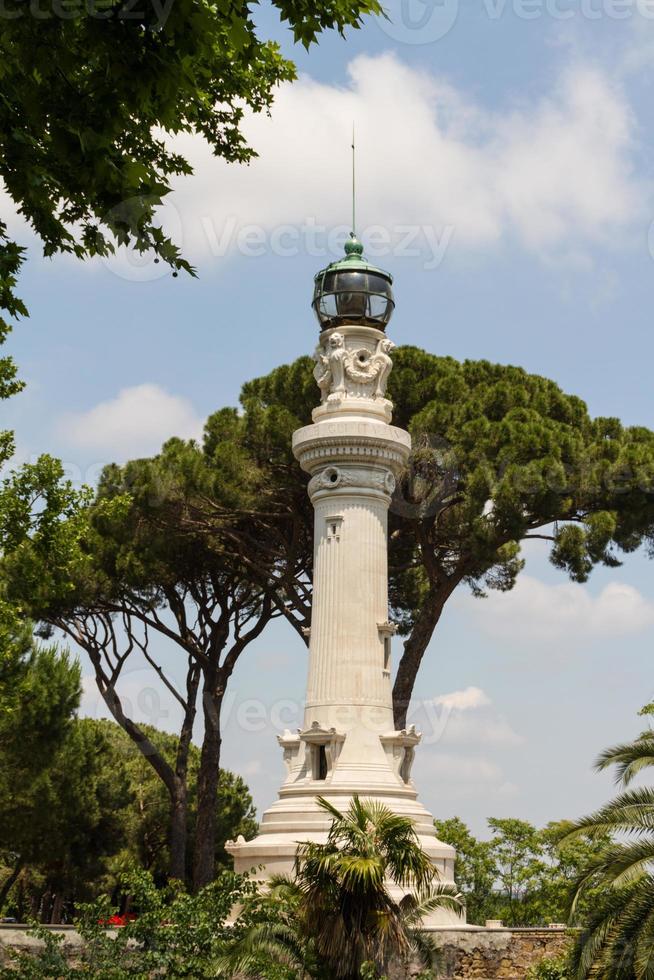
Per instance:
x=118, y=920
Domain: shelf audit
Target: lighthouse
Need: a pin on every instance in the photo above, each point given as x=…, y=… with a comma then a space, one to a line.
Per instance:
x=348, y=744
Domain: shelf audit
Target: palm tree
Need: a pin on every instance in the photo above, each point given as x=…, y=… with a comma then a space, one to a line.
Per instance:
x=339, y=913
x=269, y=941
x=617, y=942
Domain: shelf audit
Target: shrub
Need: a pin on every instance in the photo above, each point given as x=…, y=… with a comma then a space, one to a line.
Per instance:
x=550, y=968
x=174, y=934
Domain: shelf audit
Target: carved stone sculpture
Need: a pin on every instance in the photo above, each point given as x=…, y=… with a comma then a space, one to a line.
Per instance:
x=341, y=371
x=383, y=365
x=329, y=371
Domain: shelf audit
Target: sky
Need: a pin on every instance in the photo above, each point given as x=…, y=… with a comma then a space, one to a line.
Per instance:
x=504, y=164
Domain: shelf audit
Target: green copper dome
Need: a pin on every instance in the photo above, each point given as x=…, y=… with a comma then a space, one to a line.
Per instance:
x=352, y=291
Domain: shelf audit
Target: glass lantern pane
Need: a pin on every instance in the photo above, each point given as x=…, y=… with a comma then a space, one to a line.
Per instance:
x=356, y=295
x=352, y=304
x=378, y=306
x=328, y=282
x=328, y=305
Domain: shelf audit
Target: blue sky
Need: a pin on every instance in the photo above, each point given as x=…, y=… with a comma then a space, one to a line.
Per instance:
x=505, y=179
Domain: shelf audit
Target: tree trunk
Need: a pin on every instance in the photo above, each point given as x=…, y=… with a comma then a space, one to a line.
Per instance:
x=11, y=880
x=57, y=909
x=414, y=649
x=179, y=799
x=178, y=831
x=175, y=781
x=204, y=856
x=46, y=906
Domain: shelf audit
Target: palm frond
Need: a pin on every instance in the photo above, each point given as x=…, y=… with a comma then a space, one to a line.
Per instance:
x=277, y=942
x=644, y=954
x=629, y=758
x=630, y=812
x=416, y=908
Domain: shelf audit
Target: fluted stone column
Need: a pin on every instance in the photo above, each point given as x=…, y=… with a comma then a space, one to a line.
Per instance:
x=348, y=744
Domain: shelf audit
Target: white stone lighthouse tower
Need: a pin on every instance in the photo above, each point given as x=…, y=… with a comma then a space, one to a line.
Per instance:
x=348, y=744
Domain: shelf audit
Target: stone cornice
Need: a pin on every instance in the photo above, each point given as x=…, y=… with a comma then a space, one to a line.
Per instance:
x=352, y=440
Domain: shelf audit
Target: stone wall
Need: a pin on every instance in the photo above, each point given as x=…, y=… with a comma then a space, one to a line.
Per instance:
x=476, y=953
x=18, y=937
x=470, y=953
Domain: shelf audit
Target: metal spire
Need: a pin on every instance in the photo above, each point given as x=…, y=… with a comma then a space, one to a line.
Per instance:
x=353, y=187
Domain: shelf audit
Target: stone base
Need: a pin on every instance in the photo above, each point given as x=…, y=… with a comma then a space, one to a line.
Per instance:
x=296, y=817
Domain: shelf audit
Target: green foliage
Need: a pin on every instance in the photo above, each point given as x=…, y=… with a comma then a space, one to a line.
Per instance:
x=522, y=875
x=15, y=648
x=93, y=92
x=76, y=816
x=137, y=560
x=517, y=851
x=11, y=256
x=62, y=823
x=190, y=544
x=550, y=968
x=40, y=527
x=474, y=869
x=270, y=939
x=617, y=942
x=146, y=821
x=369, y=971
x=39, y=693
x=513, y=454
x=175, y=935
x=499, y=456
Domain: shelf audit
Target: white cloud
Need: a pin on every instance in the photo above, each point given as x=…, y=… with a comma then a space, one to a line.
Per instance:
x=465, y=717
x=461, y=727
x=137, y=421
x=459, y=776
x=486, y=730
x=536, y=612
x=473, y=769
x=557, y=173
x=471, y=697
x=252, y=768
